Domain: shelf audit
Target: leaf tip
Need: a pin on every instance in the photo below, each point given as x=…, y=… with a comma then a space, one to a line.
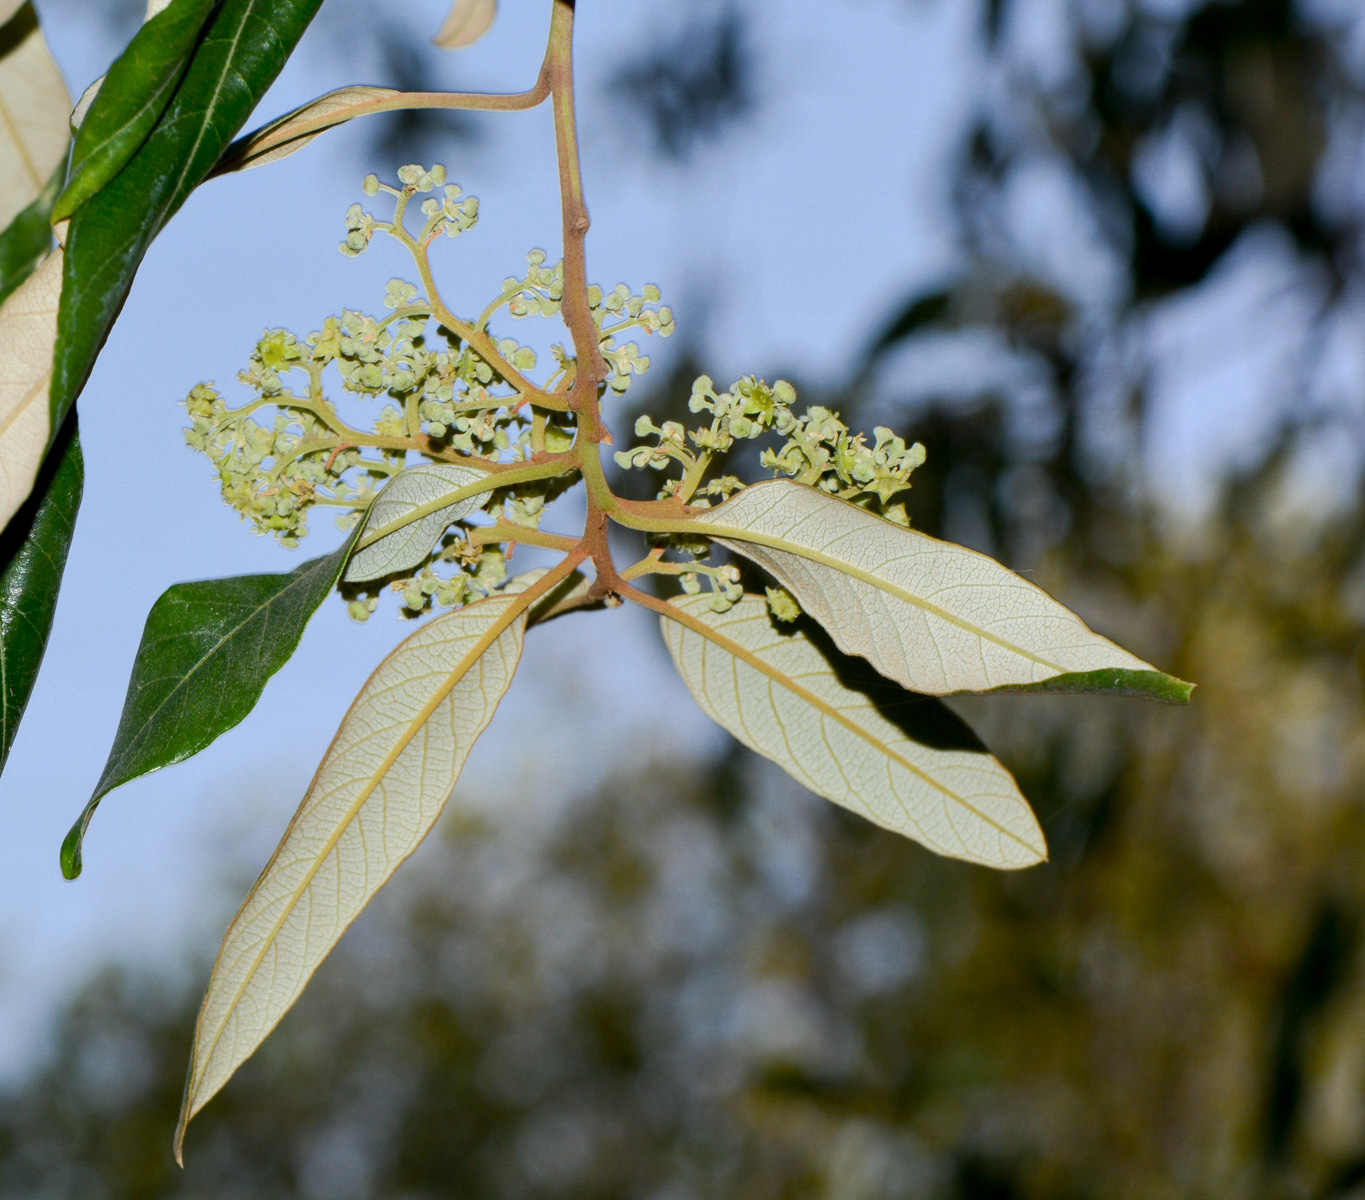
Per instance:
x=71, y=844
x=71, y=850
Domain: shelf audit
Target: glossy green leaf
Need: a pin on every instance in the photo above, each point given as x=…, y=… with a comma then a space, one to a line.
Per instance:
x=239, y=56
x=33, y=553
x=207, y=652
x=136, y=91
x=27, y=239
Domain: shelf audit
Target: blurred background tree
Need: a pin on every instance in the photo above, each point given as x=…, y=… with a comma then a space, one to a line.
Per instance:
x=703, y=982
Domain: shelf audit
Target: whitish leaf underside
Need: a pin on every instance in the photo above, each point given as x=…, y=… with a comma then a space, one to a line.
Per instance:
x=923, y=775
x=34, y=109
x=410, y=514
x=389, y=771
x=934, y=616
x=28, y=332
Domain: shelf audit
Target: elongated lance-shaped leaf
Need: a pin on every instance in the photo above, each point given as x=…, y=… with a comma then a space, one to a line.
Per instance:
x=388, y=773
x=28, y=329
x=33, y=552
x=411, y=513
x=33, y=113
x=207, y=651
x=27, y=239
x=904, y=762
x=135, y=92
x=934, y=616
x=239, y=55
x=293, y=131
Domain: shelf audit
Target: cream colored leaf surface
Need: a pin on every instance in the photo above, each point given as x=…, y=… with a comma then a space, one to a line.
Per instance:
x=923, y=775
x=388, y=773
x=411, y=513
x=466, y=23
x=33, y=113
x=295, y=130
x=28, y=332
x=934, y=616
x=78, y=113
x=8, y=8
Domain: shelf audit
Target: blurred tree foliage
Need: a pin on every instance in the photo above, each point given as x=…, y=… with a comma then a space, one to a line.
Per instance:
x=717, y=986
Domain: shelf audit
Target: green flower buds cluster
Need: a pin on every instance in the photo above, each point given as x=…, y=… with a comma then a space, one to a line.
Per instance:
x=452, y=215
x=724, y=582
x=267, y=473
x=818, y=449
x=539, y=293
x=618, y=310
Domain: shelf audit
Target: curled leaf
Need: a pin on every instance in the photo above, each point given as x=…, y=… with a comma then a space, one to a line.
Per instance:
x=33, y=108
x=293, y=131
x=388, y=773
x=466, y=23
x=934, y=616
x=28, y=332
x=905, y=763
x=411, y=512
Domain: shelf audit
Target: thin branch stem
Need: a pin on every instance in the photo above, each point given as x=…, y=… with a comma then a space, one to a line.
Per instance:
x=505, y=531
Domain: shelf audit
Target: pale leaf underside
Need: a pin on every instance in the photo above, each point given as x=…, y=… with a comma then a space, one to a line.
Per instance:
x=33, y=113
x=910, y=766
x=388, y=773
x=466, y=23
x=934, y=616
x=295, y=130
x=28, y=331
x=410, y=514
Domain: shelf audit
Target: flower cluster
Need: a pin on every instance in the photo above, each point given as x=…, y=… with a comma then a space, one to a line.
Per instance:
x=455, y=574
x=818, y=449
x=451, y=215
x=618, y=310
x=446, y=394
x=273, y=474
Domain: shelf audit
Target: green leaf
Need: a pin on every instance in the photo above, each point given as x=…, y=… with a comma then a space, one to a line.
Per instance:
x=136, y=91
x=934, y=616
x=904, y=762
x=27, y=239
x=207, y=652
x=383, y=782
x=33, y=553
x=242, y=51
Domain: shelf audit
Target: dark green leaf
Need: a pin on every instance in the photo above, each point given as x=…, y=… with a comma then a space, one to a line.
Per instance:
x=207, y=652
x=28, y=238
x=135, y=92
x=242, y=50
x=33, y=552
